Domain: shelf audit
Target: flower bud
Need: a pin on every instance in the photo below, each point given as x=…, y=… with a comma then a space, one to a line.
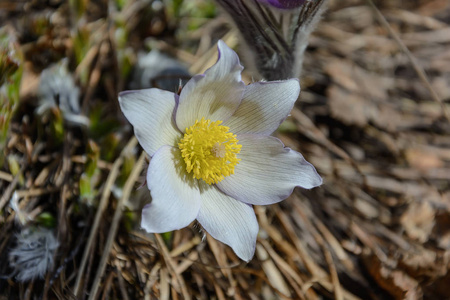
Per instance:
x=283, y=4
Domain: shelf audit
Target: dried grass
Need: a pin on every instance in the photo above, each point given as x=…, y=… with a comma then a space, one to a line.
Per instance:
x=368, y=118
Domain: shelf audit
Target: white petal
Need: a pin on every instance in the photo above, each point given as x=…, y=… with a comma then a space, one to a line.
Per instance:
x=215, y=95
x=151, y=112
x=264, y=106
x=175, y=195
x=229, y=221
x=267, y=172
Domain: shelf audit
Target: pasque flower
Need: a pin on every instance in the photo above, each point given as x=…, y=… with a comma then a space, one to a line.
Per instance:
x=211, y=154
x=284, y=4
x=275, y=32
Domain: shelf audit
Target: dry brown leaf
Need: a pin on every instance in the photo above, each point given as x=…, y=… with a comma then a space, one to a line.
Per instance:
x=353, y=108
x=422, y=159
x=349, y=108
x=358, y=80
x=397, y=283
x=425, y=263
x=441, y=230
x=418, y=220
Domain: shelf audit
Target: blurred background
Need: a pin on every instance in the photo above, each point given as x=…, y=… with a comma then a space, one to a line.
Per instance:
x=372, y=117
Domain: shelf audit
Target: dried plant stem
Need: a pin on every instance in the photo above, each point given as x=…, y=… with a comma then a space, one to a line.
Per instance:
x=309, y=129
x=171, y=266
x=10, y=189
x=419, y=70
x=101, y=208
x=6, y=176
x=61, y=181
x=8, y=192
x=95, y=75
x=294, y=279
x=115, y=223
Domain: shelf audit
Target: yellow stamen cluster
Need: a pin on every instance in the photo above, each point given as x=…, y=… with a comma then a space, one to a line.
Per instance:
x=209, y=150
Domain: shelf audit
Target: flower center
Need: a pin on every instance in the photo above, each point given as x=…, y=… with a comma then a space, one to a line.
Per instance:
x=209, y=150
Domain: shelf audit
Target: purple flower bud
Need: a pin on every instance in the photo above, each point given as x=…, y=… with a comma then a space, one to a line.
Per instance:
x=284, y=4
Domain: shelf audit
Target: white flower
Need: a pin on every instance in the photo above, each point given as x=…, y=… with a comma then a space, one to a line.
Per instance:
x=212, y=156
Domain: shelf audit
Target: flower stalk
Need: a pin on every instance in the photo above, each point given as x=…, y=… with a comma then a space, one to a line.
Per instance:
x=275, y=32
